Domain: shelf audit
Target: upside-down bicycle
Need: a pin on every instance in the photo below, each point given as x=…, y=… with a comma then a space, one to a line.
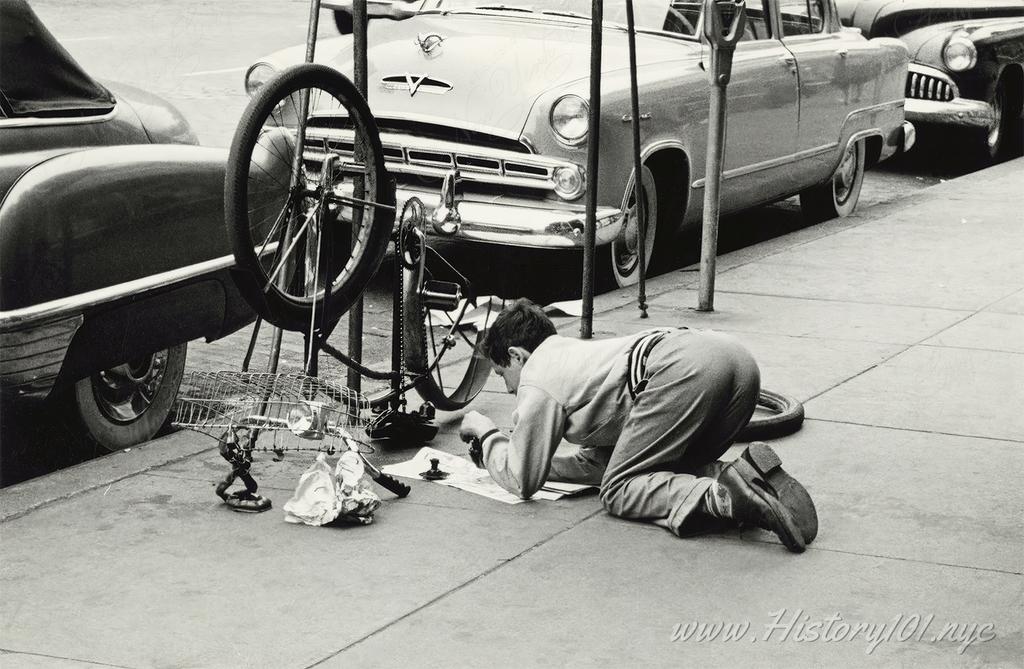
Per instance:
x=310, y=211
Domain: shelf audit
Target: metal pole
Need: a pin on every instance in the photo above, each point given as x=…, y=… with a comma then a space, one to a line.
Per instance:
x=638, y=191
x=590, y=230
x=355, y=314
x=300, y=139
x=723, y=40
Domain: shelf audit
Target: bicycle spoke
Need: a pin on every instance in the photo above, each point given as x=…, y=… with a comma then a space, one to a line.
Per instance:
x=291, y=246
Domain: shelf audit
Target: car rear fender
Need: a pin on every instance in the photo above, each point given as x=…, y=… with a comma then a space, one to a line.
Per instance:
x=99, y=219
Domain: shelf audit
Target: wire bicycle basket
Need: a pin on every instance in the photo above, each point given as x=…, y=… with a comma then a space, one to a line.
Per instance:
x=283, y=411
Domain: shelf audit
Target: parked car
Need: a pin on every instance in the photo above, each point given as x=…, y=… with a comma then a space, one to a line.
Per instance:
x=967, y=65
x=112, y=242
x=498, y=93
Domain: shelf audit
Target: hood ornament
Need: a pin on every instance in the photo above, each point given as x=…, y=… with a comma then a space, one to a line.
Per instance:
x=429, y=42
x=415, y=83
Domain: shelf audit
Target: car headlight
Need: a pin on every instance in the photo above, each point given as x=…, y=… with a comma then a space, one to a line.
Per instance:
x=570, y=119
x=569, y=182
x=256, y=76
x=960, y=54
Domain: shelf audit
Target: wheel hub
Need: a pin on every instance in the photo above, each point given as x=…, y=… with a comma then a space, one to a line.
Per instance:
x=997, y=122
x=627, y=247
x=842, y=183
x=123, y=393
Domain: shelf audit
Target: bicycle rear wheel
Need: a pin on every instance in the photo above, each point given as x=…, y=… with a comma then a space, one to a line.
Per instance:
x=308, y=231
x=440, y=348
x=447, y=356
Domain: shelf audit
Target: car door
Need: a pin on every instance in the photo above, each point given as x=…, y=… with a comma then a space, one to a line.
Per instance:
x=762, y=111
x=816, y=45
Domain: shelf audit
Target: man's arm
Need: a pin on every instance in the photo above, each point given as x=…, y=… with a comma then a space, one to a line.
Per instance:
x=576, y=464
x=520, y=464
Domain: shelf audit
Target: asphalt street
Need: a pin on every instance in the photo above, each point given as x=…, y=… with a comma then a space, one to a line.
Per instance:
x=195, y=52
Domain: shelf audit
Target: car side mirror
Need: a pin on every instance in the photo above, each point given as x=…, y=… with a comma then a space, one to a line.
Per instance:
x=396, y=10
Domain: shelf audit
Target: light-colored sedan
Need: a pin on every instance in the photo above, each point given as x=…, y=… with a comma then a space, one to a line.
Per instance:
x=488, y=102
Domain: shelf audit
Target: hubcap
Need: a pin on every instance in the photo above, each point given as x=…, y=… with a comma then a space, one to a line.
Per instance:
x=997, y=121
x=627, y=247
x=125, y=392
x=846, y=174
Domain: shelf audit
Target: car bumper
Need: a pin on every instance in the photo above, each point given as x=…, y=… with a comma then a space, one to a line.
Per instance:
x=540, y=225
x=958, y=111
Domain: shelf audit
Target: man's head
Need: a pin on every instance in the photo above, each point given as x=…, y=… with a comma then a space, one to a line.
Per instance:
x=517, y=332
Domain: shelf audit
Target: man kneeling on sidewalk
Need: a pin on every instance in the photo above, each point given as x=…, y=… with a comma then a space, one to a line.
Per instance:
x=651, y=414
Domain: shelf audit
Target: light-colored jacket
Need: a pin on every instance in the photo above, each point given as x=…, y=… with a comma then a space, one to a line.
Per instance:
x=569, y=389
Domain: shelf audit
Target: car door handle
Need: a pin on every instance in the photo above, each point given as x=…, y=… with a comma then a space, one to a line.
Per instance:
x=790, y=62
x=842, y=52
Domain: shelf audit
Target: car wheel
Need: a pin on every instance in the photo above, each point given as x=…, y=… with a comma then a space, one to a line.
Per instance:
x=838, y=196
x=624, y=251
x=128, y=404
x=996, y=141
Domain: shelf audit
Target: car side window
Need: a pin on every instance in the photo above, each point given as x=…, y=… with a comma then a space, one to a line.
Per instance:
x=757, y=26
x=802, y=17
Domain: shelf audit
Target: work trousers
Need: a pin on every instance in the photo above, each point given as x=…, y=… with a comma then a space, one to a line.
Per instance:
x=701, y=391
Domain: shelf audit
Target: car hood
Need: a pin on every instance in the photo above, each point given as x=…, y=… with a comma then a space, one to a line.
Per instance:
x=925, y=44
x=894, y=18
x=487, y=72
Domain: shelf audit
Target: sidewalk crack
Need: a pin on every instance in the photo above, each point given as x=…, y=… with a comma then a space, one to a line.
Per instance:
x=456, y=589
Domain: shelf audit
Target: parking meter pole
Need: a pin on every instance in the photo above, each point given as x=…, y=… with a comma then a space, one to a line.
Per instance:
x=593, y=142
x=355, y=314
x=722, y=38
x=641, y=205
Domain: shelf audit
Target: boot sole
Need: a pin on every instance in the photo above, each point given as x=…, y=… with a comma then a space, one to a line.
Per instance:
x=789, y=532
x=790, y=491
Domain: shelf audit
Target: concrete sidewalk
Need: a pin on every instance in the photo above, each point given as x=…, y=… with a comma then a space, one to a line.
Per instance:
x=901, y=329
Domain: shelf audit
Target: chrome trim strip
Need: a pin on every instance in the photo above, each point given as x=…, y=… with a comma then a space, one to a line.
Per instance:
x=16, y=319
x=39, y=122
x=774, y=162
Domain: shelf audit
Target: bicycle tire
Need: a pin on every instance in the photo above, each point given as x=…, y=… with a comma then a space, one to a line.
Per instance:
x=260, y=153
x=466, y=378
x=786, y=417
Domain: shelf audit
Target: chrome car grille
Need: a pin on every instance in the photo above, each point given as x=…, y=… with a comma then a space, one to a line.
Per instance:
x=429, y=159
x=925, y=83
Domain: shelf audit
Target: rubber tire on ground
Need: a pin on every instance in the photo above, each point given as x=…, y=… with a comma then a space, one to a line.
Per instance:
x=83, y=411
x=613, y=277
x=787, y=416
x=273, y=305
x=821, y=203
x=417, y=354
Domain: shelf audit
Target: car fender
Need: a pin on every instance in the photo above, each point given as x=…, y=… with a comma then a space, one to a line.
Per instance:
x=93, y=219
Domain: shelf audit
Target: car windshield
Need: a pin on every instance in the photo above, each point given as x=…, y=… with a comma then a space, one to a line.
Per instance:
x=676, y=17
x=38, y=77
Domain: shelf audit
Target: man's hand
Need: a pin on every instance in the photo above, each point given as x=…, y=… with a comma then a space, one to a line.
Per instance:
x=475, y=425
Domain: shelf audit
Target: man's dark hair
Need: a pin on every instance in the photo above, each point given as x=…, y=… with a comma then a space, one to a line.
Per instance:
x=522, y=323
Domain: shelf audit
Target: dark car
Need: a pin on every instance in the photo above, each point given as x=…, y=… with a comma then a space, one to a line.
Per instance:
x=113, y=253
x=967, y=65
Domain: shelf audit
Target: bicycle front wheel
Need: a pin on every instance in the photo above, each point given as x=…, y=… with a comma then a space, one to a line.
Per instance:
x=309, y=207
x=445, y=353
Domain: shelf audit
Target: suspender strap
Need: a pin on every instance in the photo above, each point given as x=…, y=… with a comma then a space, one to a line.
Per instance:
x=636, y=380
